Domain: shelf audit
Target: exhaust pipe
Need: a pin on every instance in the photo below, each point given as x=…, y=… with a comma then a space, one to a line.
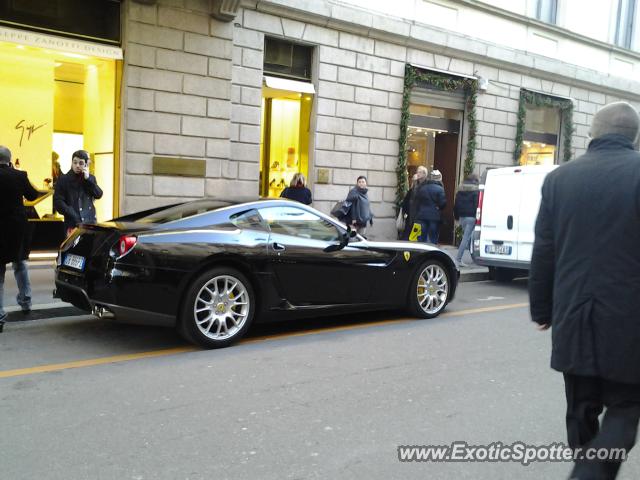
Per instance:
x=102, y=312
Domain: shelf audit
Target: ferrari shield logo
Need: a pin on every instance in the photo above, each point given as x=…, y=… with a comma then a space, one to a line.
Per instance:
x=407, y=256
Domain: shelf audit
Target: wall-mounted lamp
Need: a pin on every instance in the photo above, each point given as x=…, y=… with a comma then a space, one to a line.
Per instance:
x=483, y=84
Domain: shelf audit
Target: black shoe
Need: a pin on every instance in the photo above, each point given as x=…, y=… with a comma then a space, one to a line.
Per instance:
x=26, y=311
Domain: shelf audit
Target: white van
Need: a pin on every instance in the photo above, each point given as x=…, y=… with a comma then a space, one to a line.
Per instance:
x=505, y=220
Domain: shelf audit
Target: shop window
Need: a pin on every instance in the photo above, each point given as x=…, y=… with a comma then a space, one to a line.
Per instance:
x=284, y=141
x=53, y=104
x=541, y=135
x=544, y=10
x=286, y=59
x=625, y=19
x=97, y=20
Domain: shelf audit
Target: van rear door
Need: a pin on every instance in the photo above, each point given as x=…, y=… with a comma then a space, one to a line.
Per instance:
x=529, y=206
x=500, y=209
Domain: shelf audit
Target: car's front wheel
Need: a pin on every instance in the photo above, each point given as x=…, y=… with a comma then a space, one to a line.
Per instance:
x=218, y=308
x=430, y=290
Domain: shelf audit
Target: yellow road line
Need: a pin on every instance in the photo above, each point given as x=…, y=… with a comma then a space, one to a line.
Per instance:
x=54, y=367
x=485, y=309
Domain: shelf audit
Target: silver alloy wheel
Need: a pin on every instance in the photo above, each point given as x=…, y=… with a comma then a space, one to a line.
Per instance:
x=221, y=307
x=432, y=289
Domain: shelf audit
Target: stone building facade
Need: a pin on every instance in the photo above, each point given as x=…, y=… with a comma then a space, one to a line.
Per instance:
x=193, y=90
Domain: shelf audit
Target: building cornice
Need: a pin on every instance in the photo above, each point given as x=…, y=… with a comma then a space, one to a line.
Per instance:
x=548, y=27
x=400, y=31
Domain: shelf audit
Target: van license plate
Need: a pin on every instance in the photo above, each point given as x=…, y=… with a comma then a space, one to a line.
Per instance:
x=74, y=261
x=498, y=249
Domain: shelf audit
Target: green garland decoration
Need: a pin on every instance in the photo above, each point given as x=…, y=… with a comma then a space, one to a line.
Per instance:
x=413, y=76
x=565, y=106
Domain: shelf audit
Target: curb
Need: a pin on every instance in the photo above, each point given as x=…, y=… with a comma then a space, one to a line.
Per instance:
x=64, y=310
x=38, y=265
x=474, y=276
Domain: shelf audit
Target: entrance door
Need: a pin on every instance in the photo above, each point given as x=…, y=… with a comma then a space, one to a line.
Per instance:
x=446, y=159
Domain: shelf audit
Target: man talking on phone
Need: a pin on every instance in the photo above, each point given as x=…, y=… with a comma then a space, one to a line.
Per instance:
x=75, y=192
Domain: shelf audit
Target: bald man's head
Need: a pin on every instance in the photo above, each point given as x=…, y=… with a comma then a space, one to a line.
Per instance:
x=5, y=154
x=618, y=118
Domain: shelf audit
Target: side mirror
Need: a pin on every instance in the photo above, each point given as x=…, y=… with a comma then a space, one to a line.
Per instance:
x=343, y=242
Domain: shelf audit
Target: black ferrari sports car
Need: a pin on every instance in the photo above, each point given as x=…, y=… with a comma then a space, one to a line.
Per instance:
x=211, y=267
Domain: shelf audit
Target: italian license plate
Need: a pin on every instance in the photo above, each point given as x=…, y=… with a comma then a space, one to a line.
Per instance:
x=74, y=261
x=498, y=249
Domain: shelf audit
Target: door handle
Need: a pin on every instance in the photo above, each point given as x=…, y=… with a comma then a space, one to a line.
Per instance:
x=278, y=247
x=510, y=222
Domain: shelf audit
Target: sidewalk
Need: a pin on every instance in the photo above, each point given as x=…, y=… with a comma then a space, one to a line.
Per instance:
x=41, y=273
x=472, y=273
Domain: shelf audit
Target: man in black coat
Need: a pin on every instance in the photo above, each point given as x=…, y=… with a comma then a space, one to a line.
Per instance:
x=75, y=192
x=585, y=284
x=14, y=185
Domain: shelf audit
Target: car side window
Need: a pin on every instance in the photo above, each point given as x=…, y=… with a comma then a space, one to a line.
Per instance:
x=249, y=219
x=297, y=222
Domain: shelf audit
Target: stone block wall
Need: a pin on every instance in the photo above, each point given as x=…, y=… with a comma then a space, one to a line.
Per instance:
x=177, y=102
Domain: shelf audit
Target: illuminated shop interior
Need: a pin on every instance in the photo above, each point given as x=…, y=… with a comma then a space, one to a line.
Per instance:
x=52, y=104
x=426, y=123
x=284, y=141
x=540, y=139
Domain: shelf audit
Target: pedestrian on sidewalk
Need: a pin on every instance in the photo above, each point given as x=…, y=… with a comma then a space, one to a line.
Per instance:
x=426, y=203
x=464, y=211
x=408, y=207
x=14, y=187
x=75, y=192
x=297, y=190
x=359, y=214
x=584, y=283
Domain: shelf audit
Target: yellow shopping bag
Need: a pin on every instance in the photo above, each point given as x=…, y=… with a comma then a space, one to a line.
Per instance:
x=416, y=232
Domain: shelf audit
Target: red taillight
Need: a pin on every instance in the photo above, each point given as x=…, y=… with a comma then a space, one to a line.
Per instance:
x=479, y=209
x=126, y=243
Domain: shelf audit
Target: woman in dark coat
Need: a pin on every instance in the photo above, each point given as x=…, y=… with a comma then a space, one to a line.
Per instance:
x=407, y=210
x=297, y=190
x=360, y=211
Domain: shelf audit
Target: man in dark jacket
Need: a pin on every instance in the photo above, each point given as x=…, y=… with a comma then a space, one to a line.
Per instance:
x=427, y=201
x=14, y=186
x=75, y=192
x=464, y=210
x=585, y=283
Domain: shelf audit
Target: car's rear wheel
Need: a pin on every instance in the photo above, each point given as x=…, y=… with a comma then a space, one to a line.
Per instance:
x=218, y=308
x=430, y=290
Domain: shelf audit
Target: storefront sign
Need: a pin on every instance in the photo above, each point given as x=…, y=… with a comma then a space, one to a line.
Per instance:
x=69, y=45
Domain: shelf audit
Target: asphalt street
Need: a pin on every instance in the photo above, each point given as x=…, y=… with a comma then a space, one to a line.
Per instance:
x=83, y=398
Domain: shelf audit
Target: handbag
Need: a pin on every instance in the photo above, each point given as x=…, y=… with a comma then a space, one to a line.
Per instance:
x=400, y=221
x=341, y=209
